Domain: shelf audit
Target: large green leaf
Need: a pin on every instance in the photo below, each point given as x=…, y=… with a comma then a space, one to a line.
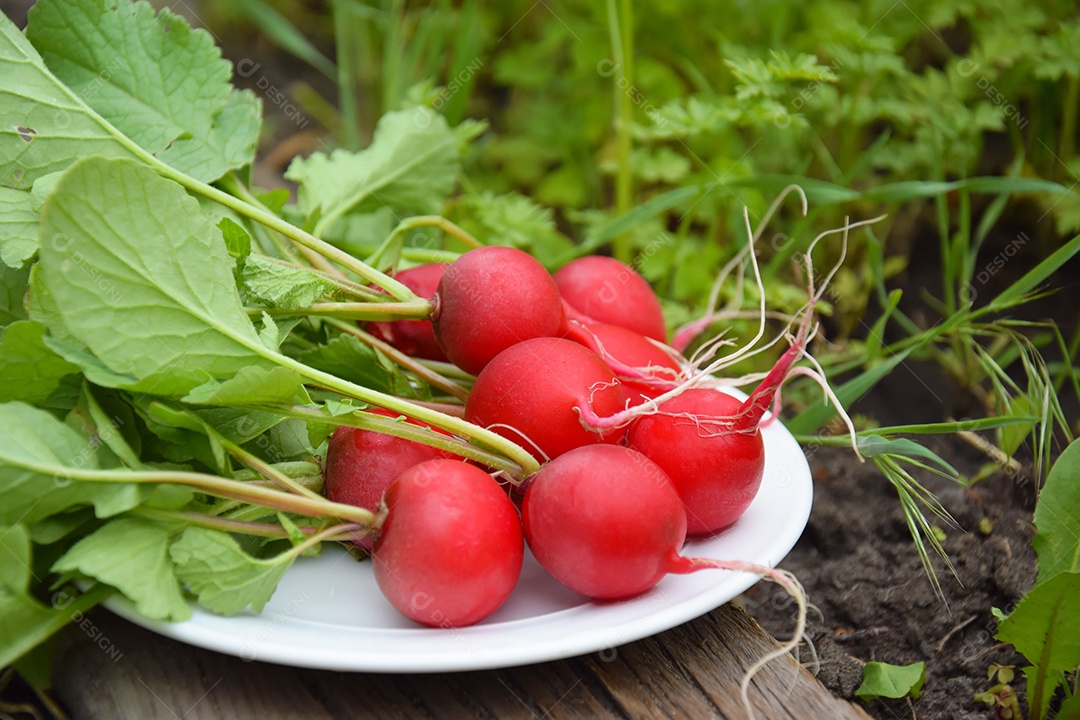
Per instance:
x=142, y=278
x=155, y=79
x=350, y=359
x=251, y=386
x=132, y=555
x=412, y=163
x=882, y=680
x=13, y=284
x=274, y=284
x=29, y=371
x=15, y=569
x=43, y=125
x=1057, y=517
x=38, y=455
x=224, y=577
x=1045, y=628
x=18, y=227
x=25, y=623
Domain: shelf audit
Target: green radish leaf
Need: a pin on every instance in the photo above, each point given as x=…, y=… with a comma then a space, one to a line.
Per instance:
x=250, y=386
x=18, y=227
x=44, y=127
x=184, y=419
x=25, y=623
x=273, y=284
x=154, y=78
x=1045, y=628
x=105, y=427
x=13, y=286
x=141, y=278
x=239, y=425
x=350, y=359
x=57, y=527
x=29, y=371
x=296, y=537
x=222, y=576
x=1057, y=517
x=15, y=572
x=42, y=308
x=36, y=666
x=412, y=163
x=132, y=555
x=237, y=240
x=274, y=200
x=39, y=460
x=288, y=440
x=881, y=680
x=94, y=370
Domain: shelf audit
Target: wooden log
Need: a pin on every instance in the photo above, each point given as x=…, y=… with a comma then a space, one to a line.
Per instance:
x=691, y=671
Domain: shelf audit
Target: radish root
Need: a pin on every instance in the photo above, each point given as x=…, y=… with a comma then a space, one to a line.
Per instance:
x=784, y=579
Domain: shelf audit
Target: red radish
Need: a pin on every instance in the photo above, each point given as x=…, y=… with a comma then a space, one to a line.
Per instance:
x=361, y=464
x=491, y=298
x=529, y=392
x=708, y=442
x=450, y=549
x=414, y=337
x=608, y=291
x=716, y=468
x=606, y=521
x=645, y=368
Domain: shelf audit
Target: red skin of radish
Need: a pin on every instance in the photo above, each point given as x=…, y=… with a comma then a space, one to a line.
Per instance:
x=534, y=387
x=631, y=349
x=607, y=291
x=716, y=469
x=491, y=298
x=414, y=337
x=361, y=464
x=450, y=549
x=605, y=521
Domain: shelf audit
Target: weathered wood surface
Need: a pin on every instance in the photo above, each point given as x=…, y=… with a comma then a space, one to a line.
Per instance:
x=118, y=671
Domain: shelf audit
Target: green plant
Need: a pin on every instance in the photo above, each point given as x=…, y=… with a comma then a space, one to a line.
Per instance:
x=1000, y=695
x=1044, y=626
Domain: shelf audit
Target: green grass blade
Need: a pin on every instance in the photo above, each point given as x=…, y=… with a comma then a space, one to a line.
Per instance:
x=1036, y=276
x=286, y=36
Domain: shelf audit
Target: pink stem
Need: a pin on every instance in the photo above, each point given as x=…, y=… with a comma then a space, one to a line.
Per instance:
x=591, y=421
x=581, y=334
x=690, y=332
x=753, y=410
x=572, y=313
x=682, y=565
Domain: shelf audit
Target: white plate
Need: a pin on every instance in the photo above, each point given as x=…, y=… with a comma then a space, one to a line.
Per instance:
x=328, y=613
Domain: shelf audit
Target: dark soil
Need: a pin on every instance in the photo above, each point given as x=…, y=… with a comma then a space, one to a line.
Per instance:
x=873, y=600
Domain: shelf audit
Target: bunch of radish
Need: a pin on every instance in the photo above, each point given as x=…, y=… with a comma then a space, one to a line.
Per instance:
x=638, y=446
